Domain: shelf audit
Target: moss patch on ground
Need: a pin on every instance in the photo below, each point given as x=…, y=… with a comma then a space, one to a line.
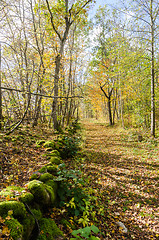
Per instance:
x=49, y=229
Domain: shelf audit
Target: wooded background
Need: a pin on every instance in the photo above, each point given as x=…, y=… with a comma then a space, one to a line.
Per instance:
x=56, y=63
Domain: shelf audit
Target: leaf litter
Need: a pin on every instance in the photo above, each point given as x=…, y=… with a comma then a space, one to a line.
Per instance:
x=123, y=173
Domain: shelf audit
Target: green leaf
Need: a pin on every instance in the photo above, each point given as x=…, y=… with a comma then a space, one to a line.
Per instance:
x=93, y=238
x=86, y=232
x=76, y=232
x=94, y=229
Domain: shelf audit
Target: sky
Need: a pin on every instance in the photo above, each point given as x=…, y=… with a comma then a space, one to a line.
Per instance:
x=102, y=3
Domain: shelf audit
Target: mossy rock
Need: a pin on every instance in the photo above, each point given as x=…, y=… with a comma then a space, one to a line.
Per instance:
x=52, y=184
x=16, y=229
x=49, y=230
x=52, y=168
x=49, y=144
x=12, y=191
x=52, y=194
x=55, y=160
x=28, y=226
x=18, y=208
x=39, y=191
x=49, y=149
x=26, y=198
x=42, y=194
x=37, y=213
x=35, y=176
x=54, y=153
x=43, y=170
x=45, y=177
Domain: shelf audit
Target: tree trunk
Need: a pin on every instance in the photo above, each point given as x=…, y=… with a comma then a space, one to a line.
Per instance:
x=109, y=111
x=1, y=117
x=108, y=96
x=152, y=74
x=55, y=101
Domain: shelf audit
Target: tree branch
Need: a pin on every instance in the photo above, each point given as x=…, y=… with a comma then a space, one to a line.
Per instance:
x=52, y=22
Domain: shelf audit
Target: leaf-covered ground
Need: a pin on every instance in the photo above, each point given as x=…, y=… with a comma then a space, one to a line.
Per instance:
x=125, y=174
x=19, y=156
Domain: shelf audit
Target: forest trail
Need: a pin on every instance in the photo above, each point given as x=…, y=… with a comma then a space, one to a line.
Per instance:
x=125, y=174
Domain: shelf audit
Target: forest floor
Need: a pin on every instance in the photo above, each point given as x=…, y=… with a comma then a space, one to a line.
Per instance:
x=123, y=172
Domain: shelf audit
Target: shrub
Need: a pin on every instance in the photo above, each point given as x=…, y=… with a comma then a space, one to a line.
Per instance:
x=70, y=191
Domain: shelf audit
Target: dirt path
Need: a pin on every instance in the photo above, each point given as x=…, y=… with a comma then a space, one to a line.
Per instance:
x=125, y=173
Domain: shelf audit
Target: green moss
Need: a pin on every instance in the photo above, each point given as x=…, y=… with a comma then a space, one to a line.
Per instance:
x=52, y=194
x=46, y=176
x=40, y=142
x=52, y=168
x=17, y=207
x=55, y=160
x=43, y=170
x=54, y=153
x=12, y=191
x=49, y=149
x=50, y=144
x=37, y=213
x=49, y=230
x=39, y=191
x=26, y=198
x=16, y=229
x=52, y=184
x=28, y=226
x=34, y=176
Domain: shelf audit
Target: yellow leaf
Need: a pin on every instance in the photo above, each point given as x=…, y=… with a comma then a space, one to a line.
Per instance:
x=8, y=218
x=5, y=230
x=8, y=198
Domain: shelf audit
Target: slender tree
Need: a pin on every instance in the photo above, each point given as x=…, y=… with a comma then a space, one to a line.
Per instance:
x=68, y=15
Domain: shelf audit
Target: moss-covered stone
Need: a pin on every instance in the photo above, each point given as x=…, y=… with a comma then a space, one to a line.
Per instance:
x=54, y=153
x=55, y=160
x=26, y=198
x=43, y=194
x=52, y=194
x=17, y=207
x=16, y=229
x=52, y=184
x=43, y=170
x=49, y=230
x=49, y=144
x=37, y=213
x=28, y=226
x=12, y=191
x=34, y=176
x=46, y=176
x=39, y=191
x=51, y=168
x=49, y=149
